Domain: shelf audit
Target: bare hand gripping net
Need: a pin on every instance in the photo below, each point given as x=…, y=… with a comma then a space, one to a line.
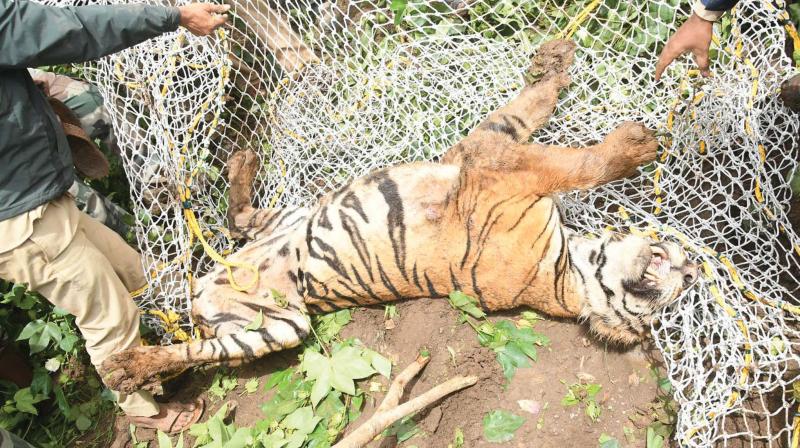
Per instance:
x=326, y=92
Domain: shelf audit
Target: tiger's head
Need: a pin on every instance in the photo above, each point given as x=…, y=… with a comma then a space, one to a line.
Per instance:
x=627, y=280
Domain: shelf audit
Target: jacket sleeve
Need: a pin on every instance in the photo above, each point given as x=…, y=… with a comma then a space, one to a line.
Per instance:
x=32, y=34
x=712, y=10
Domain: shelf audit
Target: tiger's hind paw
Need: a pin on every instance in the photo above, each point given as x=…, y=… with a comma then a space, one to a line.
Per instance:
x=553, y=58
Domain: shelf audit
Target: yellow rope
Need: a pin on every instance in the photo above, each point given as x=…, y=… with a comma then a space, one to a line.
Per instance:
x=579, y=19
x=796, y=431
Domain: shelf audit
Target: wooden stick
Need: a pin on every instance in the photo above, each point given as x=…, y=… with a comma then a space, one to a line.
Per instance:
x=389, y=411
x=395, y=392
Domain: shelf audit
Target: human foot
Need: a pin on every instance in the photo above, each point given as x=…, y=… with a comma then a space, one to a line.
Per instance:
x=172, y=417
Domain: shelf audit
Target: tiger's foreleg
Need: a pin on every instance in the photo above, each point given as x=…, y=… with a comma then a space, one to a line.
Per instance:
x=244, y=220
x=139, y=368
x=529, y=111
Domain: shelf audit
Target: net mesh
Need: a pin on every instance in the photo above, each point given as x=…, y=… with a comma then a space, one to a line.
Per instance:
x=328, y=91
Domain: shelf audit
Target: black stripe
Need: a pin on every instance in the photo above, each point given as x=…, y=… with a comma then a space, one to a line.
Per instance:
x=300, y=332
x=349, y=225
x=314, y=309
x=429, y=284
x=388, y=283
x=502, y=128
x=394, y=219
x=323, y=220
x=351, y=201
x=224, y=318
x=519, y=121
x=468, y=229
x=248, y=351
x=346, y=298
x=454, y=280
x=328, y=255
x=524, y=213
x=366, y=287
x=284, y=251
x=416, y=277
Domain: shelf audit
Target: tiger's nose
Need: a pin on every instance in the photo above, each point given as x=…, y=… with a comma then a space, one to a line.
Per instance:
x=690, y=274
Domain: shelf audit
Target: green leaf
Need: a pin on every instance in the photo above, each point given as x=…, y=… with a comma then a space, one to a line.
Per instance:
x=343, y=382
x=24, y=400
x=164, y=440
x=52, y=329
x=41, y=383
x=607, y=441
x=279, y=377
x=403, y=429
x=303, y=420
x=251, y=386
x=654, y=440
x=39, y=341
x=322, y=385
x=256, y=323
x=398, y=7
x=379, y=363
x=593, y=410
x=348, y=361
x=499, y=426
x=68, y=342
x=83, y=423
x=33, y=327
x=465, y=303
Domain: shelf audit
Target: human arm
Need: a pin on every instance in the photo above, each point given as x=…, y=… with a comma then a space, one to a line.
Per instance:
x=32, y=34
x=694, y=35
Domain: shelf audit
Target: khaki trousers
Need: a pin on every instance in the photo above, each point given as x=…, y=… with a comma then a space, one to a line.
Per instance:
x=85, y=268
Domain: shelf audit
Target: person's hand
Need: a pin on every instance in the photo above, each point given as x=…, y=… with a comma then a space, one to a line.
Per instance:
x=201, y=19
x=695, y=36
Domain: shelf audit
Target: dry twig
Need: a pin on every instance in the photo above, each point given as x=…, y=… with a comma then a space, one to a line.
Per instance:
x=391, y=410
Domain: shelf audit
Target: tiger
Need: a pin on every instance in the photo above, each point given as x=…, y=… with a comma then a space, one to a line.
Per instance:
x=484, y=220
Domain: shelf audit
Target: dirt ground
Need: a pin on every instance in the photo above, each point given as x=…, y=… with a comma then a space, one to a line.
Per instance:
x=628, y=386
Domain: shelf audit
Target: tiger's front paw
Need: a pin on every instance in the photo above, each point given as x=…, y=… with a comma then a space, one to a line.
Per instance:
x=132, y=370
x=629, y=146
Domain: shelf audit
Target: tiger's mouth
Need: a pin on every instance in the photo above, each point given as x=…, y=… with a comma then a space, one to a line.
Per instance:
x=652, y=276
x=658, y=268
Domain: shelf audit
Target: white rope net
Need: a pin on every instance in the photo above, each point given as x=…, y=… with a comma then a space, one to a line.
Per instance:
x=328, y=91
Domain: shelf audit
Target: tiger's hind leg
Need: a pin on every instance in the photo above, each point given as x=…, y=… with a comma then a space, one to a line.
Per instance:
x=283, y=324
x=529, y=111
x=244, y=220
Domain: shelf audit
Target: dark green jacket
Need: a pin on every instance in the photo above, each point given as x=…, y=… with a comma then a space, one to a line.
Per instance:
x=35, y=161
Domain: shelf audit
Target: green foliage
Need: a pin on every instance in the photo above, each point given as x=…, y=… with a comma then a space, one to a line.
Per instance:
x=47, y=336
x=221, y=384
x=251, y=386
x=403, y=429
x=606, y=441
x=164, y=440
x=348, y=363
x=465, y=303
x=329, y=325
x=499, y=426
x=256, y=323
x=458, y=439
x=215, y=433
x=514, y=344
x=654, y=440
x=794, y=178
x=585, y=394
